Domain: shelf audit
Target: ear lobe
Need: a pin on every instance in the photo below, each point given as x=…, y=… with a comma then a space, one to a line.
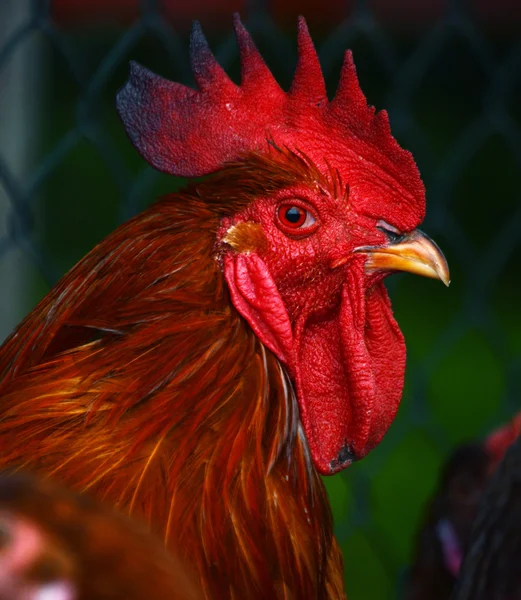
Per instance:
x=256, y=297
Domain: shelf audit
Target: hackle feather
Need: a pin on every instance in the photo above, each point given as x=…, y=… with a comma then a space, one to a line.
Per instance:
x=136, y=379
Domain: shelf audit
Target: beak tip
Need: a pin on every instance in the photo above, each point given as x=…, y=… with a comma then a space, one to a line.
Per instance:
x=442, y=272
x=444, y=277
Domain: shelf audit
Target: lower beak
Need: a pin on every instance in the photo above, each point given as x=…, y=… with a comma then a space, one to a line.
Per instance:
x=415, y=253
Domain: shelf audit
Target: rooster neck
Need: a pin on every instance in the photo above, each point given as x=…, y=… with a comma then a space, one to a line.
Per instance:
x=137, y=380
x=249, y=489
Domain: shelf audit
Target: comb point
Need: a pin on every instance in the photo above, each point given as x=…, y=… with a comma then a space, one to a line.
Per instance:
x=254, y=71
x=308, y=82
x=207, y=72
x=349, y=96
x=139, y=73
x=381, y=123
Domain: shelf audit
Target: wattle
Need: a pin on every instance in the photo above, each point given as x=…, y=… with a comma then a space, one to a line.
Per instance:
x=348, y=372
x=347, y=363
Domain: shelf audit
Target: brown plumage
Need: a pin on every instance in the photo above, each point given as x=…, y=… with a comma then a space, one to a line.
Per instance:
x=59, y=545
x=207, y=451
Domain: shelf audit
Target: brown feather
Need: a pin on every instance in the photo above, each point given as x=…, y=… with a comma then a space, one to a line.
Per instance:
x=54, y=540
x=136, y=379
x=245, y=237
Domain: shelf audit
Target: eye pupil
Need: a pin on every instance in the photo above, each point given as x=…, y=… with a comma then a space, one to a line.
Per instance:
x=294, y=214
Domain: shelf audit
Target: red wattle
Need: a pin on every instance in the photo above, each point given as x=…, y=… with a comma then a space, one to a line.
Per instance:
x=348, y=369
x=347, y=366
x=255, y=295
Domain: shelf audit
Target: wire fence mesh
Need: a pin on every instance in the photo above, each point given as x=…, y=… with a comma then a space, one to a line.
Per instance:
x=68, y=176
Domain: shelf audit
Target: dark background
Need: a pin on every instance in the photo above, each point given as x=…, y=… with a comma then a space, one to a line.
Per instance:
x=450, y=75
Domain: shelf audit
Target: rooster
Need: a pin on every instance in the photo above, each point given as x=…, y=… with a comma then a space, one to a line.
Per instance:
x=207, y=361
x=446, y=532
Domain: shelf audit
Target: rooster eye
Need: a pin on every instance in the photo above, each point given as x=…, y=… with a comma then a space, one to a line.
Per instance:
x=295, y=217
x=393, y=235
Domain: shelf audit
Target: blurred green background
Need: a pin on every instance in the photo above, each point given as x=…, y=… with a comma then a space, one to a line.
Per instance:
x=451, y=83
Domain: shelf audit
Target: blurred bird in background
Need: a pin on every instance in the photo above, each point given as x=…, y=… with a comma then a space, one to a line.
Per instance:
x=55, y=545
x=206, y=362
x=445, y=531
x=490, y=570
x=450, y=526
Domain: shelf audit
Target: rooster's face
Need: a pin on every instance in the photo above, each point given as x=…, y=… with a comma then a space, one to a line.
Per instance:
x=305, y=258
x=305, y=268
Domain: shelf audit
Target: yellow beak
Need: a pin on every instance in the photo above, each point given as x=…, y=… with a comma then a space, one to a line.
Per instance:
x=416, y=253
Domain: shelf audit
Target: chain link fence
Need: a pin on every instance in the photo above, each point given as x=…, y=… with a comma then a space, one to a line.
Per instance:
x=452, y=86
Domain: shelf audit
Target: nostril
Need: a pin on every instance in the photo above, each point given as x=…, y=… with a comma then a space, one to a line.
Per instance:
x=345, y=457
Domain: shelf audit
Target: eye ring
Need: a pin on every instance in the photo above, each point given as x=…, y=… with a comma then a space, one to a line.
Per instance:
x=295, y=218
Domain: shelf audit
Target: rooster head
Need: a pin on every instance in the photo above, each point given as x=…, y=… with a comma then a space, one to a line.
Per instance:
x=337, y=209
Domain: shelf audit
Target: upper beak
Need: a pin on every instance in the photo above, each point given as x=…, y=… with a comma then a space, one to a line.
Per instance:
x=415, y=253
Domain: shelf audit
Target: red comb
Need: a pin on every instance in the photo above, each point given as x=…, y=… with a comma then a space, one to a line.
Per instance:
x=189, y=132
